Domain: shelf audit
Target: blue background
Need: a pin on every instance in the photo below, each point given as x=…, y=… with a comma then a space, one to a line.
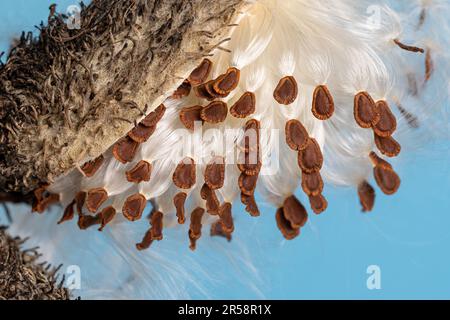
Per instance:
x=407, y=235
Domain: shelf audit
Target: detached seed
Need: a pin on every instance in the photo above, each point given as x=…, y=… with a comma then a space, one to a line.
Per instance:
x=366, y=111
x=310, y=159
x=295, y=212
x=285, y=226
x=286, y=91
x=245, y=106
x=134, y=206
x=184, y=176
x=323, y=103
x=157, y=225
x=366, y=195
x=195, y=230
x=296, y=135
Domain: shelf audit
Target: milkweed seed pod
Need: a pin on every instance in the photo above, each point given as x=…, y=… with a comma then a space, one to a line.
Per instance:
x=203, y=106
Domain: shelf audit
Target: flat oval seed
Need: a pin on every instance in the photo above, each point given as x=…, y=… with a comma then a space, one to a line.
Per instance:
x=312, y=183
x=134, y=206
x=154, y=117
x=195, y=230
x=217, y=231
x=226, y=217
x=366, y=194
x=179, y=201
x=251, y=137
x=227, y=82
x=365, y=110
x=80, y=199
x=146, y=241
x=184, y=176
x=388, y=146
x=215, y=112
x=387, y=124
x=183, y=90
x=215, y=173
x=318, y=203
x=295, y=212
x=69, y=213
x=107, y=215
x=209, y=87
x=141, y=133
x=203, y=91
x=387, y=180
x=250, y=205
x=212, y=202
x=323, y=103
x=249, y=162
x=157, y=226
x=125, y=149
x=245, y=106
x=90, y=168
x=247, y=184
x=190, y=115
x=286, y=91
x=310, y=159
x=201, y=73
x=378, y=162
x=141, y=172
x=85, y=222
x=285, y=226
x=296, y=135
x=95, y=198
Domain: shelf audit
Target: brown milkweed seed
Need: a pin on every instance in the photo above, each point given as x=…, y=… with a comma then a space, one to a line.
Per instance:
x=366, y=194
x=295, y=212
x=388, y=146
x=95, y=198
x=201, y=73
x=245, y=106
x=107, y=215
x=312, y=183
x=215, y=173
x=247, y=184
x=195, y=230
x=296, y=135
x=365, y=110
x=251, y=135
x=212, y=94
x=69, y=213
x=42, y=204
x=310, y=159
x=226, y=217
x=205, y=91
x=286, y=91
x=154, y=117
x=249, y=162
x=141, y=172
x=134, y=206
x=125, y=149
x=184, y=176
x=90, y=168
x=212, y=202
x=146, y=241
x=80, y=199
x=387, y=124
x=378, y=162
x=157, y=225
x=141, y=133
x=285, y=226
x=85, y=222
x=323, y=103
x=250, y=205
x=179, y=201
x=318, y=203
x=190, y=115
x=183, y=90
x=387, y=179
x=215, y=112
x=227, y=82
x=217, y=230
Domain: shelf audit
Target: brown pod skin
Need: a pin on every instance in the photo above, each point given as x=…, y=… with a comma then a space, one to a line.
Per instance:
x=323, y=103
x=366, y=194
x=285, y=227
x=365, y=110
x=195, y=230
x=179, y=201
x=184, y=176
x=310, y=159
x=154, y=117
x=157, y=225
x=387, y=124
x=387, y=180
x=95, y=198
x=201, y=73
x=217, y=231
x=245, y=106
x=226, y=217
x=141, y=133
x=125, y=149
x=227, y=82
x=318, y=203
x=295, y=212
x=90, y=168
x=107, y=215
x=296, y=135
x=215, y=173
x=69, y=213
x=183, y=90
x=134, y=206
x=215, y=112
x=312, y=183
x=250, y=205
x=140, y=173
x=190, y=115
x=388, y=146
x=247, y=184
x=286, y=91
